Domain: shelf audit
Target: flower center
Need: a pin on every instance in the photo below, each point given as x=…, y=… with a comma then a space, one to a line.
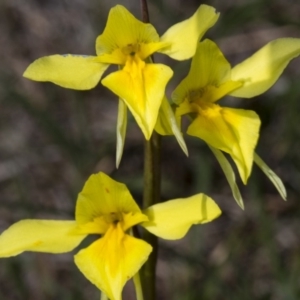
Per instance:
x=205, y=94
x=113, y=217
x=131, y=49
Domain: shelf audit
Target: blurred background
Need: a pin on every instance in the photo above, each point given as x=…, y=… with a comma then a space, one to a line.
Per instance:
x=52, y=139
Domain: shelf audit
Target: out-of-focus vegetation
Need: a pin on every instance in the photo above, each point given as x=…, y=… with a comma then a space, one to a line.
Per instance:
x=52, y=139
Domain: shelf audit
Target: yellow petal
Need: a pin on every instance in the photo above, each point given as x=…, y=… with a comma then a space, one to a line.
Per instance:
x=131, y=219
x=102, y=196
x=112, y=260
x=229, y=174
x=120, y=55
x=142, y=87
x=271, y=175
x=40, y=236
x=123, y=29
x=100, y=225
x=166, y=124
x=209, y=77
x=121, y=130
x=234, y=131
x=260, y=71
x=184, y=36
x=171, y=220
x=70, y=71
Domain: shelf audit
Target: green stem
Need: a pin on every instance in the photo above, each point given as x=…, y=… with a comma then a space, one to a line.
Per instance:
x=151, y=196
x=152, y=170
x=138, y=286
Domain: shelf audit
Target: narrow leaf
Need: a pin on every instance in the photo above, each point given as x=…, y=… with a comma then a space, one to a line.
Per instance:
x=229, y=174
x=272, y=176
x=121, y=130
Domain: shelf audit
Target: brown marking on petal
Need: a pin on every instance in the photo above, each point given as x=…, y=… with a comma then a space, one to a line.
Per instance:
x=107, y=190
x=37, y=243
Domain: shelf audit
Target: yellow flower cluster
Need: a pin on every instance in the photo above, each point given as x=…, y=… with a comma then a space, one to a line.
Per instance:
x=106, y=207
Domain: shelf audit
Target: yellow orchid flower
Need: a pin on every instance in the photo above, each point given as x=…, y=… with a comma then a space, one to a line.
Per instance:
x=106, y=207
x=129, y=43
x=234, y=131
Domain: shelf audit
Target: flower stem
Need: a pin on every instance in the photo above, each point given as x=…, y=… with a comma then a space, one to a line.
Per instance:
x=145, y=13
x=138, y=286
x=152, y=176
x=151, y=196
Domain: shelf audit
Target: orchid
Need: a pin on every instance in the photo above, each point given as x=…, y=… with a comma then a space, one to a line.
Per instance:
x=128, y=43
x=106, y=207
x=234, y=131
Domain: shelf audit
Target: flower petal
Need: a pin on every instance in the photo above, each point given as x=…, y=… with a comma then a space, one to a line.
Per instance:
x=166, y=124
x=234, y=131
x=77, y=72
x=102, y=195
x=261, y=70
x=184, y=36
x=209, y=77
x=120, y=55
x=121, y=130
x=112, y=260
x=271, y=175
x=172, y=219
x=142, y=87
x=123, y=29
x=229, y=174
x=40, y=236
